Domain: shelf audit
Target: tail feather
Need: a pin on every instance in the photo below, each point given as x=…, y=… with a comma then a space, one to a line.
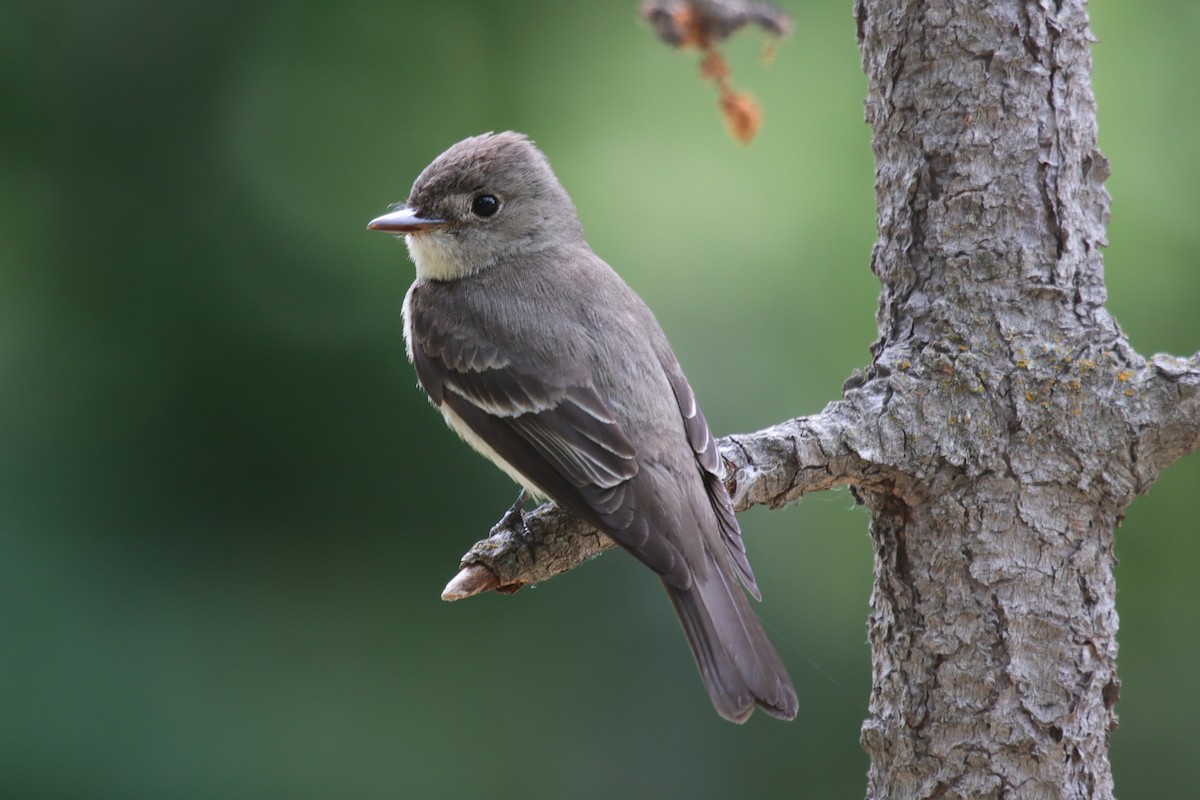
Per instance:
x=737, y=662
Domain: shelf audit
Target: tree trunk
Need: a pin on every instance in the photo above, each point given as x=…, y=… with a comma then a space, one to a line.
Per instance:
x=1002, y=427
x=1006, y=406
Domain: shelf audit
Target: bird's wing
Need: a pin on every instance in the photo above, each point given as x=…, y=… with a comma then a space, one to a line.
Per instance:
x=556, y=432
x=709, y=461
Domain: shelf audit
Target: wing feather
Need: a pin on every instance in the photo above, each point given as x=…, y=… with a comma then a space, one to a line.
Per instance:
x=557, y=432
x=709, y=460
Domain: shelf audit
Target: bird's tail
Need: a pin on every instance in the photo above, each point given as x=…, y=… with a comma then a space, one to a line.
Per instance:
x=737, y=662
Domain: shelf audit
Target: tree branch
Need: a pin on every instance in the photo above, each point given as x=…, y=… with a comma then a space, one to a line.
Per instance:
x=1169, y=389
x=773, y=467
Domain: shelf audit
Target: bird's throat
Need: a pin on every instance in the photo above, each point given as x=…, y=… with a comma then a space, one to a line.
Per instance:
x=434, y=257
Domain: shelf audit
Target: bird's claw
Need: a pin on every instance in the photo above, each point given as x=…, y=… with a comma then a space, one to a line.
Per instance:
x=514, y=520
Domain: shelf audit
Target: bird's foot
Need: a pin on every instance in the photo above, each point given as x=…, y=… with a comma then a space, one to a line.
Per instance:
x=514, y=520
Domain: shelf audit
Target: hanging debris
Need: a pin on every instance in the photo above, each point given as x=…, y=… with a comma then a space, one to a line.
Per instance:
x=703, y=25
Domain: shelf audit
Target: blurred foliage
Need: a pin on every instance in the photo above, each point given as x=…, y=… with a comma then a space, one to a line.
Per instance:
x=226, y=513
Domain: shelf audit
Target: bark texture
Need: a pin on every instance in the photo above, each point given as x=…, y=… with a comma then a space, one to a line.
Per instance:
x=1002, y=427
x=1010, y=405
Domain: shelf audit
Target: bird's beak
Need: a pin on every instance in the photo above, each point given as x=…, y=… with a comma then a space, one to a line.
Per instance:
x=404, y=220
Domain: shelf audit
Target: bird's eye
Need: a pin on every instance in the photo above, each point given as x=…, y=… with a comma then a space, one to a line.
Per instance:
x=485, y=205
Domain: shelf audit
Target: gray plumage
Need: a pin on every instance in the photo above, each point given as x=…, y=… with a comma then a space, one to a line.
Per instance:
x=544, y=360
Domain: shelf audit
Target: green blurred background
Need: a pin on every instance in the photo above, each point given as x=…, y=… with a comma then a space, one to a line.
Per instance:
x=226, y=512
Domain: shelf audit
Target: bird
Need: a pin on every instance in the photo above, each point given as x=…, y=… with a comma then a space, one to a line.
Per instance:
x=545, y=361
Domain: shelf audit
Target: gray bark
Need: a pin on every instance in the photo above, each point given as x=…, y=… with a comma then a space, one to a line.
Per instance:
x=1001, y=429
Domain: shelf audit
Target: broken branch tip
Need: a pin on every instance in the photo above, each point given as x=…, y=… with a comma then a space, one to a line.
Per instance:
x=471, y=580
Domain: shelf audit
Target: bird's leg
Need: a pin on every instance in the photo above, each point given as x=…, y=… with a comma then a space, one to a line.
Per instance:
x=514, y=520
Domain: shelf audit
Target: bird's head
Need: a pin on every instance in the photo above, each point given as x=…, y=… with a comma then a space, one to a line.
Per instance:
x=485, y=201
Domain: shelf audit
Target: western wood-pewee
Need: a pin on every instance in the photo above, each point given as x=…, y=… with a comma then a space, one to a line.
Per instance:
x=546, y=362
